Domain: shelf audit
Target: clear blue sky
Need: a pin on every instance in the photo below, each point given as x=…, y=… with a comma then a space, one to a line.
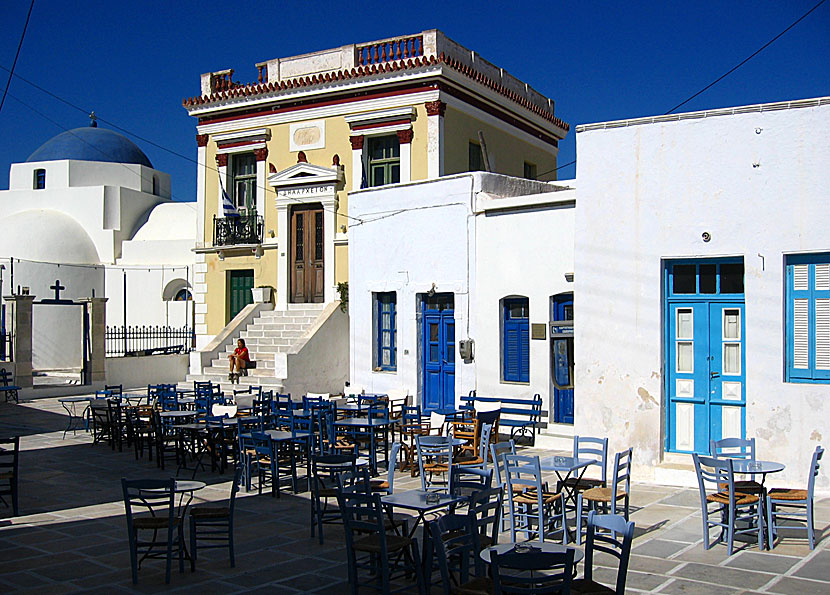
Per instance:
x=133, y=63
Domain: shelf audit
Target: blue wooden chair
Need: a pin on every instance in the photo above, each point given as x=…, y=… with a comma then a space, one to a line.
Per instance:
x=533, y=572
x=387, y=486
x=9, y=464
x=324, y=471
x=370, y=547
x=534, y=510
x=153, y=528
x=7, y=386
x=603, y=532
x=787, y=504
x=716, y=482
x=485, y=510
x=588, y=447
x=496, y=455
x=263, y=462
x=434, y=458
x=614, y=499
x=456, y=549
x=213, y=525
x=738, y=448
x=467, y=481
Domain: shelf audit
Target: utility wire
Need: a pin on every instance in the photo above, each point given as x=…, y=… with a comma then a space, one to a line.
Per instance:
x=761, y=49
x=148, y=141
x=723, y=76
x=17, y=55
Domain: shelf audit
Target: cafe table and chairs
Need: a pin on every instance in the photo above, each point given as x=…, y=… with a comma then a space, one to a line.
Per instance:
x=374, y=428
x=569, y=474
x=534, y=511
x=421, y=503
x=77, y=408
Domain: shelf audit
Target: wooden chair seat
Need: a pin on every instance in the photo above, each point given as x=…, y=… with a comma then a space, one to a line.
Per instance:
x=478, y=586
x=371, y=543
x=585, y=587
x=740, y=499
x=744, y=486
x=210, y=512
x=601, y=494
x=378, y=484
x=586, y=483
x=787, y=494
x=530, y=497
x=436, y=467
x=468, y=460
x=155, y=522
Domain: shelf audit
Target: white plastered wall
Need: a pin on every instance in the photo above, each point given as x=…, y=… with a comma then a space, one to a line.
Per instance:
x=757, y=182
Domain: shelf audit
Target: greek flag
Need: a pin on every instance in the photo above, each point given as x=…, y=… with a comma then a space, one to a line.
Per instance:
x=227, y=205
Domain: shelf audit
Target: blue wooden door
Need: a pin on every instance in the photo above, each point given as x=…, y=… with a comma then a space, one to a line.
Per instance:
x=562, y=362
x=438, y=341
x=705, y=365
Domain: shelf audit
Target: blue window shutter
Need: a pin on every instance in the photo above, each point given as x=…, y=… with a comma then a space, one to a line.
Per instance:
x=386, y=328
x=516, y=341
x=808, y=318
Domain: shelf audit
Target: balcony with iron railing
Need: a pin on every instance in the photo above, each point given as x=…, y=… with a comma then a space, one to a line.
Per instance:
x=233, y=231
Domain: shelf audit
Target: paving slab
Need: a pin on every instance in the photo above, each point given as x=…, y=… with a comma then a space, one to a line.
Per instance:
x=793, y=586
x=762, y=562
x=817, y=567
x=658, y=548
x=685, y=586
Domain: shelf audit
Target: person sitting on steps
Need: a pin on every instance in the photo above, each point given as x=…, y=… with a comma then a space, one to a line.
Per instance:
x=239, y=361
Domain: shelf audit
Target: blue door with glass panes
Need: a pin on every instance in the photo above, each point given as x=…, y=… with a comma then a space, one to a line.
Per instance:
x=561, y=357
x=705, y=354
x=438, y=348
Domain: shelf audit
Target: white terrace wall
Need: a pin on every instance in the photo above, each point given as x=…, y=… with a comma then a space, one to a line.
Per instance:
x=524, y=248
x=757, y=180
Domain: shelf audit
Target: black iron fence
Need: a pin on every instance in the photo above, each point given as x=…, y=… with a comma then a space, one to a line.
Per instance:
x=149, y=340
x=6, y=347
x=244, y=229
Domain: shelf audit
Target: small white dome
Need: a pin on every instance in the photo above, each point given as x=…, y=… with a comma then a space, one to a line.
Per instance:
x=48, y=236
x=169, y=221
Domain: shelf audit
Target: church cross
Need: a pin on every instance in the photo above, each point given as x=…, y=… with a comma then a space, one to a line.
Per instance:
x=58, y=288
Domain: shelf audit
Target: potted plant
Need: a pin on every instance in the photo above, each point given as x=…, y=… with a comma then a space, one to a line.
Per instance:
x=262, y=294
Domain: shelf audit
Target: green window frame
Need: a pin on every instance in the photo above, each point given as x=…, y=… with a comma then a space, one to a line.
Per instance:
x=384, y=161
x=475, y=159
x=529, y=171
x=242, y=186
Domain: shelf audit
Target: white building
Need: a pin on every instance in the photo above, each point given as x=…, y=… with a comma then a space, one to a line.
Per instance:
x=471, y=256
x=88, y=210
x=703, y=284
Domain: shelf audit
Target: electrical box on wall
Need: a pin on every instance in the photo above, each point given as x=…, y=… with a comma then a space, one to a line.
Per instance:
x=466, y=349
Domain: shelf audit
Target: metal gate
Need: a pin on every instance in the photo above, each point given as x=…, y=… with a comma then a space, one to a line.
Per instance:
x=61, y=336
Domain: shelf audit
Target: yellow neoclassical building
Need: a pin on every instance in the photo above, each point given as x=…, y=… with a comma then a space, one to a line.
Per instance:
x=288, y=148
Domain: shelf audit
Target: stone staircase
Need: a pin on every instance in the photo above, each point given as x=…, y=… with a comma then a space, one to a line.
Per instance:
x=271, y=332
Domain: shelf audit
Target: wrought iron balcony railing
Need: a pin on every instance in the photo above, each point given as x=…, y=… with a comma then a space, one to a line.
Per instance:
x=230, y=231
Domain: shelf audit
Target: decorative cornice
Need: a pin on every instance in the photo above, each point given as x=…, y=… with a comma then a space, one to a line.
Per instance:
x=222, y=160
x=435, y=108
x=357, y=142
x=359, y=72
x=201, y=140
x=405, y=136
x=261, y=153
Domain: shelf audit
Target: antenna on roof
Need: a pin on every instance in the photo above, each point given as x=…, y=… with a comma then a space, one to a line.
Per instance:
x=93, y=120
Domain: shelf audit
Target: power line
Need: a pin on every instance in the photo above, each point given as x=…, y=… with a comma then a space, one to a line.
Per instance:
x=550, y=171
x=148, y=141
x=761, y=49
x=17, y=54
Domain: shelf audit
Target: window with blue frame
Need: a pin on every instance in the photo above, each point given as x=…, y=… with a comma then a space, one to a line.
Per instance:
x=515, y=343
x=808, y=318
x=386, y=331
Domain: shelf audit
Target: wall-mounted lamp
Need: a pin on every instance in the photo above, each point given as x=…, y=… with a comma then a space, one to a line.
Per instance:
x=431, y=291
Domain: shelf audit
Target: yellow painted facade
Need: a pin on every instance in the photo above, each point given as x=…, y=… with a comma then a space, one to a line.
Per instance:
x=383, y=99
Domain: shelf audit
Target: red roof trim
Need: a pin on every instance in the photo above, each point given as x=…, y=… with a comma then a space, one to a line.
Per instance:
x=363, y=71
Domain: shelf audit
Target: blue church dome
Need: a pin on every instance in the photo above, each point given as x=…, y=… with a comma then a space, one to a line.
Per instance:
x=91, y=144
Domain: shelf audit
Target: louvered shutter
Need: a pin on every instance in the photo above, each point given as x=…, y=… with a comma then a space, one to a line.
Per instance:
x=524, y=352
x=511, y=351
x=808, y=318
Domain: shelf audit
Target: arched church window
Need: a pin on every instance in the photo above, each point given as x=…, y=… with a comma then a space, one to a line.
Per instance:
x=155, y=185
x=183, y=295
x=39, y=179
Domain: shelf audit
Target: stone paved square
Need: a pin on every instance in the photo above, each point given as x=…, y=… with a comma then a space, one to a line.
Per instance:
x=71, y=535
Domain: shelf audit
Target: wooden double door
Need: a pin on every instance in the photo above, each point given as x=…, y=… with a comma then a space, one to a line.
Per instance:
x=307, y=250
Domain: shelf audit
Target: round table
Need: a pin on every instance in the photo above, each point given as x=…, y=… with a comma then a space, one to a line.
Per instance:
x=70, y=404
x=176, y=414
x=550, y=548
x=748, y=467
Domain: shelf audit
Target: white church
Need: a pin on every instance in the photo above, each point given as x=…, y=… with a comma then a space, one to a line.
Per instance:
x=87, y=215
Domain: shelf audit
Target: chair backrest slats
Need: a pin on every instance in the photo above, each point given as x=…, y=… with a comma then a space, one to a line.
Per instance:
x=588, y=447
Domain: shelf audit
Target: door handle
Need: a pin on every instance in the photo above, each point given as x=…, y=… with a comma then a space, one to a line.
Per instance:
x=713, y=375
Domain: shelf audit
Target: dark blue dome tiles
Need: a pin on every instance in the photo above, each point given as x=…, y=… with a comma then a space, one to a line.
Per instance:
x=91, y=144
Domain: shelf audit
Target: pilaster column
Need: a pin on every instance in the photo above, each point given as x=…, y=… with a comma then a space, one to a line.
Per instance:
x=405, y=141
x=201, y=167
x=357, y=161
x=261, y=155
x=97, y=309
x=22, y=347
x=222, y=166
x=435, y=138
